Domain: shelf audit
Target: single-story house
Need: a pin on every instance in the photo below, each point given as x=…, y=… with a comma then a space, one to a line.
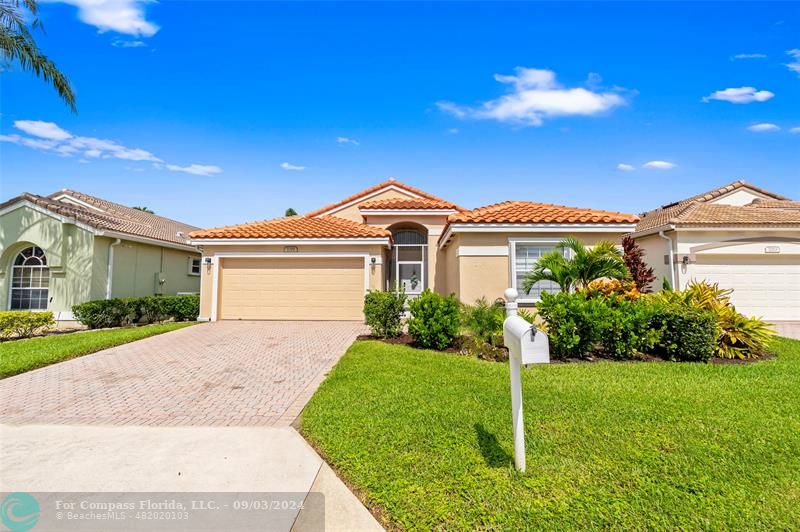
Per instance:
x=740, y=236
x=69, y=247
x=319, y=265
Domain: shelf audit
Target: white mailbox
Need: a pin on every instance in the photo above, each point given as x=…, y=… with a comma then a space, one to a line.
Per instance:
x=525, y=341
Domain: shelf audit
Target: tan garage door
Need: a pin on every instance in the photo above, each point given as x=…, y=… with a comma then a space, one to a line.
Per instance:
x=291, y=288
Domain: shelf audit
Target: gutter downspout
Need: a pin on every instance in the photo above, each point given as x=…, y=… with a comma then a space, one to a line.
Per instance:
x=671, y=257
x=111, y=266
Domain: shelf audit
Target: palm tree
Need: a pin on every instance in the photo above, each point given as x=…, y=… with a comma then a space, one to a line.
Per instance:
x=17, y=44
x=583, y=266
x=143, y=209
x=290, y=212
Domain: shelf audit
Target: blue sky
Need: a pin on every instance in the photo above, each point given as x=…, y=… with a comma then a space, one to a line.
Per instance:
x=475, y=102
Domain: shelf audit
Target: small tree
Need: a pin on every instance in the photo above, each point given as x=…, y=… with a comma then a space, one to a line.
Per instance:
x=573, y=266
x=641, y=273
x=290, y=212
x=143, y=209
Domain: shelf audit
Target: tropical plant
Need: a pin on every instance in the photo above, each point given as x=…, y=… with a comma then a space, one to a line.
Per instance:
x=18, y=45
x=143, y=209
x=581, y=267
x=612, y=288
x=641, y=273
x=739, y=336
x=290, y=212
x=484, y=321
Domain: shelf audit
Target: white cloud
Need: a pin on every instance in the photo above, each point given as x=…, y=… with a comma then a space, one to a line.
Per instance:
x=195, y=169
x=794, y=66
x=45, y=130
x=625, y=167
x=122, y=43
x=347, y=140
x=795, y=130
x=121, y=16
x=536, y=95
x=763, y=128
x=659, y=165
x=48, y=136
x=740, y=95
x=287, y=166
x=749, y=56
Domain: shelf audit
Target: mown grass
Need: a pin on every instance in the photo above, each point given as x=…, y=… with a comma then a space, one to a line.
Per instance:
x=425, y=439
x=19, y=356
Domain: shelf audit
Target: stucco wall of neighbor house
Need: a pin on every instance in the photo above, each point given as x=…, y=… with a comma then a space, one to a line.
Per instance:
x=655, y=251
x=483, y=260
x=376, y=251
x=136, y=265
x=69, y=255
x=738, y=197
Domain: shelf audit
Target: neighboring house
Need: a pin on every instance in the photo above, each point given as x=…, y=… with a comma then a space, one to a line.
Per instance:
x=68, y=247
x=318, y=266
x=740, y=236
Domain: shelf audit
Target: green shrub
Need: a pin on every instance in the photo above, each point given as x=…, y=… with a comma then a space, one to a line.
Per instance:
x=484, y=321
x=121, y=312
x=739, y=336
x=184, y=308
x=626, y=329
x=435, y=319
x=384, y=313
x=574, y=322
x=23, y=324
x=106, y=313
x=527, y=315
x=687, y=333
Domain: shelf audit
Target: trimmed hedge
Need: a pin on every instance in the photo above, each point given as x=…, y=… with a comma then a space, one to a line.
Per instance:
x=435, y=319
x=383, y=312
x=120, y=312
x=24, y=323
x=580, y=324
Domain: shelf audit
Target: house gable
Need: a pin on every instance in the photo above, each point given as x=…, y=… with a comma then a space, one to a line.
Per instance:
x=741, y=196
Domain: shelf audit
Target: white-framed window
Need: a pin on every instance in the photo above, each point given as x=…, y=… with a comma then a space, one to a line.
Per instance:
x=409, y=261
x=30, y=280
x=524, y=255
x=194, y=265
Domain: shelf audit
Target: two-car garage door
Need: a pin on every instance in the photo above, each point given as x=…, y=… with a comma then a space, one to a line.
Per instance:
x=302, y=288
x=762, y=286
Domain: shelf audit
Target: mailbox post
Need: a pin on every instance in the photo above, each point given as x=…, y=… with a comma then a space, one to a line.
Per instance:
x=526, y=345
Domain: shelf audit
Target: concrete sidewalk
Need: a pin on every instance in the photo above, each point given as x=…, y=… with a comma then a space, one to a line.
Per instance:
x=81, y=458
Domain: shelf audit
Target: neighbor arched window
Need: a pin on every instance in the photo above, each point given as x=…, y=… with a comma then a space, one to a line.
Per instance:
x=30, y=279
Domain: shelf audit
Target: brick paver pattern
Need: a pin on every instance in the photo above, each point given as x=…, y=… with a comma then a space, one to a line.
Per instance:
x=224, y=373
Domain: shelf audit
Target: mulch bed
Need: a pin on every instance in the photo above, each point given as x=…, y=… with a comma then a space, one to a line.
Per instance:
x=407, y=340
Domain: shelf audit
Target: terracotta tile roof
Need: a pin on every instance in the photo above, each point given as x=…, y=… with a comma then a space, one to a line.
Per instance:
x=389, y=182
x=527, y=212
x=410, y=203
x=109, y=216
x=296, y=227
x=721, y=191
x=698, y=211
x=775, y=204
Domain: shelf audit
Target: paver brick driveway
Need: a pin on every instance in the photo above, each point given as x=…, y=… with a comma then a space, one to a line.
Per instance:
x=224, y=373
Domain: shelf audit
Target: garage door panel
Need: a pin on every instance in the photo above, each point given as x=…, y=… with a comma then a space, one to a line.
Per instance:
x=292, y=288
x=762, y=286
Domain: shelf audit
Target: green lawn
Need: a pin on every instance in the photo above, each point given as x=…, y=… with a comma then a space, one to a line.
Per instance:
x=425, y=438
x=19, y=356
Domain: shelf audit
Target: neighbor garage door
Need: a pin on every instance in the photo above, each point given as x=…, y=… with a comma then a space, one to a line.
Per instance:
x=291, y=288
x=767, y=286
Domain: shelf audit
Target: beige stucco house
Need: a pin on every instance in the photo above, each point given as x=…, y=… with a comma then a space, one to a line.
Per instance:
x=739, y=236
x=318, y=266
x=69, y=247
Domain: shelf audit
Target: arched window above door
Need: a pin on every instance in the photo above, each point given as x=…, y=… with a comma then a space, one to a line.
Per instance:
x=30, y=280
